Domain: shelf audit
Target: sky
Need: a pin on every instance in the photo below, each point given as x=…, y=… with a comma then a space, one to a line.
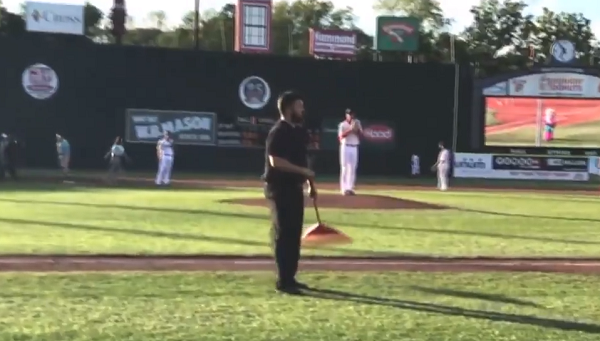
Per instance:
x=458, y=10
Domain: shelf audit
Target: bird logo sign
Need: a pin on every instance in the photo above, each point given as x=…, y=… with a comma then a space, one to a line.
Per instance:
x=397, y=31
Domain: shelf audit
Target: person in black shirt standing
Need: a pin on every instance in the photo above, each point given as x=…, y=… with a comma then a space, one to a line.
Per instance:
x=286, y=171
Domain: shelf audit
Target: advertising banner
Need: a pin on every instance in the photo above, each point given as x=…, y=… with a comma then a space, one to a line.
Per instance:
x=486, y=166
x=397, y=33
x=332, y=43
x=555, y=84
x=54, y=18
x=251, y=132
x=526, y=175
x=378, y=135
x=594, y=165
x=468, y=165
x=571, y=164
x=517, y=163
x=186, y=127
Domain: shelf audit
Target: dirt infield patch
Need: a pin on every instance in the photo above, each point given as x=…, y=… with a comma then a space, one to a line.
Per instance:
x=92, y=263
x=378, y=202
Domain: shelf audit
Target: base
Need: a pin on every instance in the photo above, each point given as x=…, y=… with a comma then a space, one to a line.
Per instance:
x=321, y=234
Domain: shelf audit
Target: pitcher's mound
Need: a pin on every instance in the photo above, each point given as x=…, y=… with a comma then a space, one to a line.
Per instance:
x=350, y=202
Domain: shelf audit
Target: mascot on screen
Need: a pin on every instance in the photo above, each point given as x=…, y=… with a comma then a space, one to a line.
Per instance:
x=549, y=124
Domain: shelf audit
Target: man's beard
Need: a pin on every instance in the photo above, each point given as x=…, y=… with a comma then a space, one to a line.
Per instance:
x=297, y=119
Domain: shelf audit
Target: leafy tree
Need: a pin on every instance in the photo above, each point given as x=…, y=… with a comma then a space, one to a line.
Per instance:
x=572, y=26
x=500, y=36
x=92, y=16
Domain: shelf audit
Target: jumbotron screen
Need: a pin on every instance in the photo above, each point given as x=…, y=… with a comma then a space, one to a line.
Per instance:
x=542, y=122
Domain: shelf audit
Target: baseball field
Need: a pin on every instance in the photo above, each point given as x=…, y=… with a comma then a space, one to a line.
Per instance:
x=484, y=261
x=513, y=122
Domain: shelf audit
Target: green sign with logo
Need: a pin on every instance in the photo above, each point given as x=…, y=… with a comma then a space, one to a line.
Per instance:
x=397, y=34
x=377, y=135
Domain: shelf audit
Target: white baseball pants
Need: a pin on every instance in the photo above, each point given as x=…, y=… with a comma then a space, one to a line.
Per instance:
x=348, y=165
x=163, y=177
x=443, y=170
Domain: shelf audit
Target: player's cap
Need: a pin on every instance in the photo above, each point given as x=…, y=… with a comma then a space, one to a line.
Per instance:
x=349, y=111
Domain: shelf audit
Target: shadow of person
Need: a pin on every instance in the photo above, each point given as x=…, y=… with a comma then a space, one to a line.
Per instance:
x=454, y=311
x=476, y=295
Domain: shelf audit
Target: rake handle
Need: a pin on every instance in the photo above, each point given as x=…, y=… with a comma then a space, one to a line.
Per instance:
x=317, y=211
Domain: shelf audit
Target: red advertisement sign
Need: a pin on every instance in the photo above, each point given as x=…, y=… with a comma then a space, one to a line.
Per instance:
x=253, y=26
x=332, y=43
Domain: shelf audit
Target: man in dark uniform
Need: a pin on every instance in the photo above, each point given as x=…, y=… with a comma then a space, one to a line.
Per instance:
x=9, y=149
x=286, y=171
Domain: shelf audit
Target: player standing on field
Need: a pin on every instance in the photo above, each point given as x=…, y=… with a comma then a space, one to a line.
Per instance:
x=443, y=167
x=349, y=132
x=63, y=149
x=415, y=165
x=166, y=155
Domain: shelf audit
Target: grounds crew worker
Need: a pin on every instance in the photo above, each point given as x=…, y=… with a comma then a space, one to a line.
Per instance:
x=286, y=170
x=8, y=156
x=116, y=156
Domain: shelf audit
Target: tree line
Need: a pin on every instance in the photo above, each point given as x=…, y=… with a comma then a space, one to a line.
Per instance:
x=500, y=38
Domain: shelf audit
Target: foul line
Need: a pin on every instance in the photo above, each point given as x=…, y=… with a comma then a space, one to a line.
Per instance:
x=441, y=263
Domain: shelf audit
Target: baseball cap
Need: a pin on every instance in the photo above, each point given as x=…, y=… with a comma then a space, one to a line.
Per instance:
x=3, y=135
x=350, y=111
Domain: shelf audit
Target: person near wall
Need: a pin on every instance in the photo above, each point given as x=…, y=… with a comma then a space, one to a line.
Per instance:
x=63, y=150
x=415, y=165
x=116, y=156
x=165, y=152
x=443, y=167
x=349, y=133
x=8, y=157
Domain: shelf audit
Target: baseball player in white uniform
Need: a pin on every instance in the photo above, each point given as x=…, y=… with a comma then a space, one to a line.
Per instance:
x=415, y=165
x=349, y=132
x=166, y=155
x=443, y=167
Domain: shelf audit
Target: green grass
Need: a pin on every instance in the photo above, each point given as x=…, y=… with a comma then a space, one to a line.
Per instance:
x=427, y=180
x=358, y=307
x=584, y=135
x=62, y=219
x=490, y=118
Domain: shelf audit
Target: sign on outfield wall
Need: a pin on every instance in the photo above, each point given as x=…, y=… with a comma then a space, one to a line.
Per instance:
x=486, y=166
x=54, y=18
x=332, y=43
x=186, y=127
x=555, y=84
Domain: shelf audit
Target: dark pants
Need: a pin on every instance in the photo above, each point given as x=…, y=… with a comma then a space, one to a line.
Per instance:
x=8, y=168
x=287, y=214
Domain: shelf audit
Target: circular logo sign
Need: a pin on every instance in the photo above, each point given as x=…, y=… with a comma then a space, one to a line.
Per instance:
x=40, y=81
x=255, y=92
x=379, y=133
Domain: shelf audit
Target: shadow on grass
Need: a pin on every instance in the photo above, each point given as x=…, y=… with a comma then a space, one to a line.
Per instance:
x=476, y=295
x=455, y=311
x=352, y=224
x=533, y=216
x=188, y=236
x=8, y=186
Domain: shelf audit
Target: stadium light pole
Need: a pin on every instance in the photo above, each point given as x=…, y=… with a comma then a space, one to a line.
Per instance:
x=197, y=24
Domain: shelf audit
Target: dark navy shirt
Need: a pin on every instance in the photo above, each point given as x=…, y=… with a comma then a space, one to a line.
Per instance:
x=288, y=142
